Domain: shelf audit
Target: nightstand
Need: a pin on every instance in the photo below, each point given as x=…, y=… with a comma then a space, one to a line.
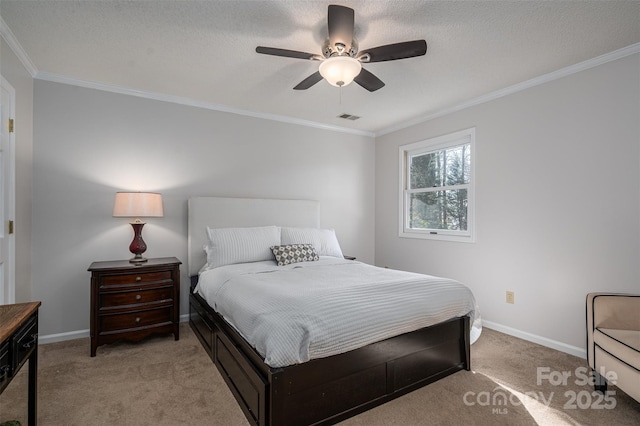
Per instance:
x=134, y=300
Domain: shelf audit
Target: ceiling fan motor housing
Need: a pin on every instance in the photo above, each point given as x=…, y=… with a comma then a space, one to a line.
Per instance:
x=340, y=49
x=340, y=62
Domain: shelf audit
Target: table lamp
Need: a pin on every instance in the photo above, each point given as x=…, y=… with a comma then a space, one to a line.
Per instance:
x=138, y=204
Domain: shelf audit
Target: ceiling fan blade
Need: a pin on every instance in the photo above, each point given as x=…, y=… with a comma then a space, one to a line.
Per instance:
x=340, y=20
x=309, y=81
x=288, y=53
x=391, y=52
x=368, y=81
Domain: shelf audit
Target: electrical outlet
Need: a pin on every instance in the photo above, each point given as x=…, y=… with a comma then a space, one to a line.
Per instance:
x=511, y=297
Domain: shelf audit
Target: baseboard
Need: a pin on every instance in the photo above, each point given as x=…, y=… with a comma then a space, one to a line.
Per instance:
x=553, y=344
x=61, y=337
x=79, y=334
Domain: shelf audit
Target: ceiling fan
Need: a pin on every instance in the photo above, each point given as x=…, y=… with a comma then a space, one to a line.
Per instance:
x=341, y=61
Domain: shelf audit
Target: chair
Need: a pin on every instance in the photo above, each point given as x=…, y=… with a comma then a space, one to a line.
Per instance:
x=613, y=340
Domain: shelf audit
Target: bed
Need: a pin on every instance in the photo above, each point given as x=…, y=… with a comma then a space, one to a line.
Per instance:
x=324, y=383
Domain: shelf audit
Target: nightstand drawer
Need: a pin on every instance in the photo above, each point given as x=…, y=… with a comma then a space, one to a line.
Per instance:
x=135, y=279
x=135, y=297
x=110, y=323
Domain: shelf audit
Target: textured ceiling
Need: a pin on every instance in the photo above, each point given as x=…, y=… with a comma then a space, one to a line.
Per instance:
x=205, y=50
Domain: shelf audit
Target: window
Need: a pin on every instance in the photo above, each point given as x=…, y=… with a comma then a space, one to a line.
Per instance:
x=437, y=188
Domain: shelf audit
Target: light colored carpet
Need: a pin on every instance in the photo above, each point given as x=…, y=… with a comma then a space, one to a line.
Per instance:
x=164, y=382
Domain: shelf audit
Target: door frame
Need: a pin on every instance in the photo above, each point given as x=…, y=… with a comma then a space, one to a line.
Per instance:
x=8, y=293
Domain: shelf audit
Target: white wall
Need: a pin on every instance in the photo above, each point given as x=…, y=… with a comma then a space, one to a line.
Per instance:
x=88, y=144
x=558, y=201
x=558, y=174
x=20, y=79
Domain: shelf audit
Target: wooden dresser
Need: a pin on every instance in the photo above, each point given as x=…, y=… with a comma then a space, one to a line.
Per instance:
x=134, y=300
x=19, y=343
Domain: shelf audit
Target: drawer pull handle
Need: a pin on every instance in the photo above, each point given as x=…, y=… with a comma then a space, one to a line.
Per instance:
x=137, y=320
x=34, y=340
x=138, y=297
x=138, y=278
x=4, y=370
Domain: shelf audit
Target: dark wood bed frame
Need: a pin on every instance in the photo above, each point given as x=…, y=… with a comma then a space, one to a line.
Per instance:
x=320, y=391
x=328, y=390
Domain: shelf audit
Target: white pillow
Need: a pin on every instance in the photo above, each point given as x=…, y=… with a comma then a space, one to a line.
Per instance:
x=241, y=245
x=323, y=240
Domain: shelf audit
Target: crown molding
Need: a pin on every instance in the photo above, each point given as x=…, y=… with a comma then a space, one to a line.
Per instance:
x=15, y=46
x=545, y=78
x=17, y=49
x=56, y=78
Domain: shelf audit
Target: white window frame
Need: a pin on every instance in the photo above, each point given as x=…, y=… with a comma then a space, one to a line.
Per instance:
x=430, y=145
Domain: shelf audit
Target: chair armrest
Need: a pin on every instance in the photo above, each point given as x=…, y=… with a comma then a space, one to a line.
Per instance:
x=611, y=310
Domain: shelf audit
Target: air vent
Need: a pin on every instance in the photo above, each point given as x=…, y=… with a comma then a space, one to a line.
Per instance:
x=348, y=116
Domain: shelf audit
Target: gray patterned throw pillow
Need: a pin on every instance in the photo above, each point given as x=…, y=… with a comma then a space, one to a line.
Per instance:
x=294, y=253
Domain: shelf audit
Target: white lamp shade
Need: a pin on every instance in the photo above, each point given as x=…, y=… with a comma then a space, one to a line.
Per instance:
x=340, y=70
x=138, y=204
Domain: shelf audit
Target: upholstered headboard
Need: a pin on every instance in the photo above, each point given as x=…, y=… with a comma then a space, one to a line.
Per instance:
x=224, y=212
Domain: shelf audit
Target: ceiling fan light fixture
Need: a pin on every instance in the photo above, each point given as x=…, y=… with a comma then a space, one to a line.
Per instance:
x=340, y=70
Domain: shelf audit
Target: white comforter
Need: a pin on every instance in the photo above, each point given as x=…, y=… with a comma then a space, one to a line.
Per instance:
x=308, y=310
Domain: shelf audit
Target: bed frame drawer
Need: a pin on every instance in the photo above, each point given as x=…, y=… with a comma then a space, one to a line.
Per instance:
x=334, y=397
x=411, y=369
x=202, y=325
x=243, y=380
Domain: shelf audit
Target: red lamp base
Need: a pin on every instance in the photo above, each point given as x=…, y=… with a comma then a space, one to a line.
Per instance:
x=138, y=245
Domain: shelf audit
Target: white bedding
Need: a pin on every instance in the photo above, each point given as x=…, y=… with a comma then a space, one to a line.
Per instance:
x=308, y=310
